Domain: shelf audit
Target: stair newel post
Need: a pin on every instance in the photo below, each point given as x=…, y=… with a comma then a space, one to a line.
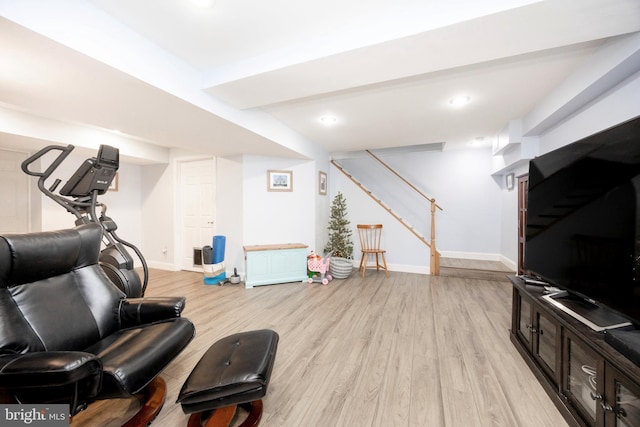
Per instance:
x=435, y=256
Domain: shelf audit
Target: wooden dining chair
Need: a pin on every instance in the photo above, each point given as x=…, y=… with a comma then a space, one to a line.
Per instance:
x=370, y=235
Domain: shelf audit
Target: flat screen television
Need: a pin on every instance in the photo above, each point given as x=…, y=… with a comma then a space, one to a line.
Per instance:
x=583, y=219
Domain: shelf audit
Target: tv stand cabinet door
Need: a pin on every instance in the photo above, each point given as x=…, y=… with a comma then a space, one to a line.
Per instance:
x=583, y=379
x=622, y=405
x=523, y=316
x=539, y=334
x=547, y=344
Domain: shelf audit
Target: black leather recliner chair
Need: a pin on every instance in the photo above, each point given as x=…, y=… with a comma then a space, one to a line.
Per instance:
x=68, y=334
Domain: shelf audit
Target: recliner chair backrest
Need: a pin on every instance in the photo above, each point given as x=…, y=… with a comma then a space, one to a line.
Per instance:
x=53, y=293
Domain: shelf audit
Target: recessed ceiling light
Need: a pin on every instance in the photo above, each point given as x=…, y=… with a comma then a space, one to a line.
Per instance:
x=328, y=120
x=477, y=141
x=459, y=100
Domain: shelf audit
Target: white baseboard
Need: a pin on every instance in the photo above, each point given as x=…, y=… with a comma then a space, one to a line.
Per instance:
x=471, y=255
x=417, y=269
x=402, y=268
x=509, y=263
x=162, y=265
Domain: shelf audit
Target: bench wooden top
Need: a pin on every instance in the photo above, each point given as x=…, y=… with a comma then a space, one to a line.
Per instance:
x=274, y=247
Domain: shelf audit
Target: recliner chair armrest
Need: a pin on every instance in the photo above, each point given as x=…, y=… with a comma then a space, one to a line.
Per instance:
x=138, y=311
x=48, y=369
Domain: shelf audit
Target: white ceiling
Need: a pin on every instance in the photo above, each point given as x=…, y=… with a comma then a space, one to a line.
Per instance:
x=254, y=77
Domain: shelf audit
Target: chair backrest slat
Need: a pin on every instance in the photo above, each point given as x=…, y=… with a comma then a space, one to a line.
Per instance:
x=370, y=236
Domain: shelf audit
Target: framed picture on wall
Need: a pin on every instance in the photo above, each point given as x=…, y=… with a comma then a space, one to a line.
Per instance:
x=322, y=183
x=279, y=180
x=114, y=184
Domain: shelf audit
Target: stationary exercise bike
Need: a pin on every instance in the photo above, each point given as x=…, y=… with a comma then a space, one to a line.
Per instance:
x=79, y=196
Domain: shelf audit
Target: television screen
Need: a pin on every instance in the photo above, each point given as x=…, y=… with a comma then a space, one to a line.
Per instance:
x=583, y=218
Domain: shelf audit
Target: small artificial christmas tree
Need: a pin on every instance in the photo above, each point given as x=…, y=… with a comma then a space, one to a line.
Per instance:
x=340, y=243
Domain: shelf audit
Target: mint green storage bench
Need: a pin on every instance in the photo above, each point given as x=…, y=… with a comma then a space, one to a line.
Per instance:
x=272, y=264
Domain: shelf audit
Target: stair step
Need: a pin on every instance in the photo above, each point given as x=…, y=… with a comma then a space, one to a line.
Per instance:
x=495, y=276
x=484, y=270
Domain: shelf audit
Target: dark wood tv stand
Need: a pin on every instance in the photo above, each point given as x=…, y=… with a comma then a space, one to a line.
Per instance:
x=589, y=381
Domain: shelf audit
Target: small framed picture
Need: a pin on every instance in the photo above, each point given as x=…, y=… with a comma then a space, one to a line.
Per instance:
x=114, y=183
x=322, y=183
x=279, y=180
x=509, y=181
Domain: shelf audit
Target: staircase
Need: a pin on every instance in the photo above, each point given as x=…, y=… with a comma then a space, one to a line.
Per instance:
x=431, y=242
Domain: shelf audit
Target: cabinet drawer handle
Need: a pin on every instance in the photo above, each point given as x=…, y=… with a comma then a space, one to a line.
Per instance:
x=605, y=406
x=596, y=396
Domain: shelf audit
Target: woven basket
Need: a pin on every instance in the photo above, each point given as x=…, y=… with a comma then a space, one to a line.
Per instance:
x=340, y=268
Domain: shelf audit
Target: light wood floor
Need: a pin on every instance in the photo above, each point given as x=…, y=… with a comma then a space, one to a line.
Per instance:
x=408, y=350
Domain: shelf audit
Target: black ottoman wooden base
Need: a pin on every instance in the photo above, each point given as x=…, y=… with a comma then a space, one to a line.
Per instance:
x=233, y=371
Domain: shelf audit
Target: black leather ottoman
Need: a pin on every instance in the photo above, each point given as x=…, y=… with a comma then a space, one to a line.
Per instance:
x=233, y=371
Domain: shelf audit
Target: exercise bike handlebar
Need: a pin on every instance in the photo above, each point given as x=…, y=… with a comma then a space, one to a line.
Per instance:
x=64, y=152
x=71, y=207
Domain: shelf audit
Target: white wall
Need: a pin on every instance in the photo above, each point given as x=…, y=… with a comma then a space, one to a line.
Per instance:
x=469, y=222
x=323, y=203
x=279, y=217
x=158, y=216
x=509, y=225
x=230, y=209
x=246, y=213
x=125, y=205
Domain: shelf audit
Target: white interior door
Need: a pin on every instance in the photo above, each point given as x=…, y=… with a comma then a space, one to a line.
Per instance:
x=197, y=190
x=14, y=193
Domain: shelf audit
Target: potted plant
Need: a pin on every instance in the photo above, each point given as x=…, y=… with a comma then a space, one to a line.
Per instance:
x=339, y=244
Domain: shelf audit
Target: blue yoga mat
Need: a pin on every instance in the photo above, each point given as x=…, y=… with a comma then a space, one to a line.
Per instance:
x=218, y=248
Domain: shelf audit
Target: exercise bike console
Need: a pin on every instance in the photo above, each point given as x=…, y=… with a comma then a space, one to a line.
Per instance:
x=95, y=173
